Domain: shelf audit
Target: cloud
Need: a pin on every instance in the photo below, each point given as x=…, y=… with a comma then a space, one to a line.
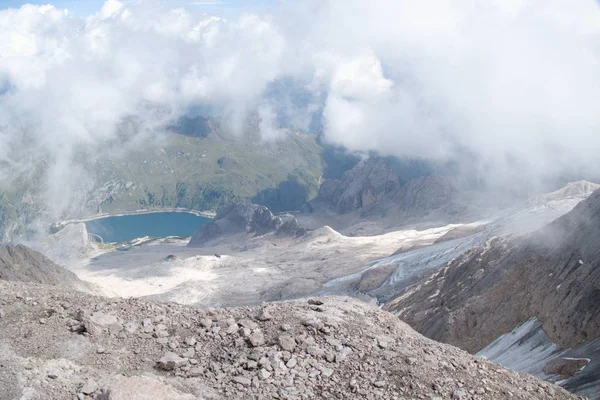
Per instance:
x=510, y=86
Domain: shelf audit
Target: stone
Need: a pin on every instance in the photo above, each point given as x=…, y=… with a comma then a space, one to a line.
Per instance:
x=241, y=380
x=190, y=341
x=343, y=354
x=194, y=373
x=100, y=322
x=248, y=323
x=411, y=360
x=459, y=395
x=287, y=343
x=263, y=374
x=256, y=339
x=90, y=387
x=171, y=361
x=251, y=365
x=264, y=315
x=315, y=351
x=206, y=323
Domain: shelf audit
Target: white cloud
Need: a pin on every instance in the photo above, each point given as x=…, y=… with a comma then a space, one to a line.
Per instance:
x=512, y=83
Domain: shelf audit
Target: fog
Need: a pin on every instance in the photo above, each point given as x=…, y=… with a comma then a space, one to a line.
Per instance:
x=506, y=89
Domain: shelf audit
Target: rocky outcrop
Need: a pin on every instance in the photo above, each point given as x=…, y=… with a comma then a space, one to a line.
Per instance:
x=372, y=188
x=551, y=274
x=264, y=221
x=244, y=217
x=367, y=183
x=22, y=264
x=330, y=347
x=292, y=228
x=432, y=193
x=230, y=218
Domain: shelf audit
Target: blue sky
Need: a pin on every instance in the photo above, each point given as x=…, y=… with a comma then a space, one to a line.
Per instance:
x=84, y=8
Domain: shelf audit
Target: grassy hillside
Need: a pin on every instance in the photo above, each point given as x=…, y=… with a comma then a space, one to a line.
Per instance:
x=200, y=168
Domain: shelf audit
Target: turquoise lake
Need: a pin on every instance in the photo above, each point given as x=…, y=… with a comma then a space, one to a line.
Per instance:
x=160, y=224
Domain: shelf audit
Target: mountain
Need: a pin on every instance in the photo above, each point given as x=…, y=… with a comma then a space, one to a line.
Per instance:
x=551, y=275
x=245, y=217
x=61, y=344
x=389, y=194
x=197, y=164
x=22, y=264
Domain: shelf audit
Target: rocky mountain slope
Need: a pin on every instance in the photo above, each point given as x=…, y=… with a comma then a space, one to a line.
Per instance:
x=551, y=274
x=245, y=217
x=374, y=190
x=22, y=264
x=61, y=344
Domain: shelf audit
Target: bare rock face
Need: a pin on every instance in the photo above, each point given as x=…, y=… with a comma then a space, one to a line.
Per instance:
x=292, y=228
x=230, y=219
x=264, y=221
x=22, y=264
x=372, y=188
x=245, y=217
x=367, y=183
x=552, y=274
x=423, y=195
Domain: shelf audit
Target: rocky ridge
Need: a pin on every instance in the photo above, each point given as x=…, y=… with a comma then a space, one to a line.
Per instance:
x=373, y=189
x=22, y=264
x=551, y=274
x=62, y=344
x=245, y=217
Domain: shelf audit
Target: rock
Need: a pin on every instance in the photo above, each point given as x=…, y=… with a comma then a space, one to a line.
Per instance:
x=206, y=323
x=315, y=302
x=256, y=339
x=459, y=395
x=171, y=361
x=194, y=373
x=287, y=343
x=230, y=219
x=161, y=334
x=265, y=315
x=411, y=360
x=315, y=351
x=251, y=365
x=241, y=380
x=379, y=384
x=100, y=322
x=264, y=221
x=2, y=313
x=291, y=228
x=52, y=375
x=343, y=354
x=90, y=387
x=263, y=374
x=248, y=323
x=191, y=341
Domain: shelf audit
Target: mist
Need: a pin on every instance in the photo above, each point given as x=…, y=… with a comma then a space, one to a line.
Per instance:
x=506, y=89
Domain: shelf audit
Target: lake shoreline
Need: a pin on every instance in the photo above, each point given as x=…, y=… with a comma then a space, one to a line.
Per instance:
x=204, y=214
